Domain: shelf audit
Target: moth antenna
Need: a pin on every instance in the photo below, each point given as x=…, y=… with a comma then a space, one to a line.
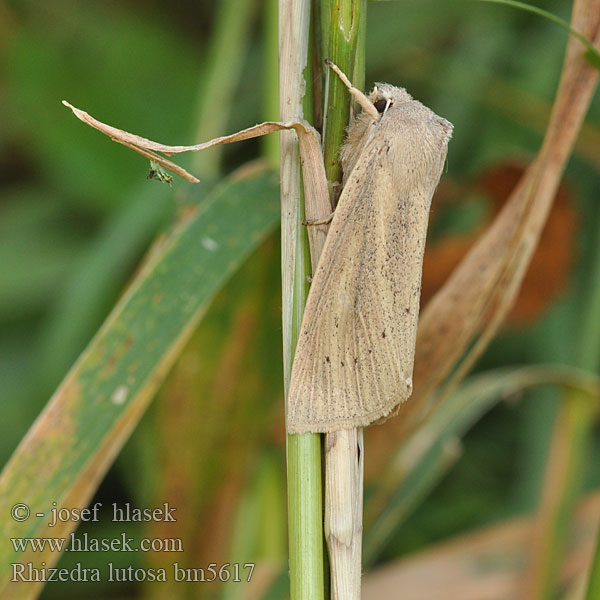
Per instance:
x=366, y=104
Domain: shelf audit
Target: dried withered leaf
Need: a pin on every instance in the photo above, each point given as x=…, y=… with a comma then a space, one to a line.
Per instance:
x=472, y=304
x=136, y=143
x=550, y=265
x=548, y=271
x=461, y=319
x=475, y=566
x=313, y=171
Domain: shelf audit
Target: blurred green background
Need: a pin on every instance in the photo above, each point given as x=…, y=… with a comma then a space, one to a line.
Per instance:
x=77, y=215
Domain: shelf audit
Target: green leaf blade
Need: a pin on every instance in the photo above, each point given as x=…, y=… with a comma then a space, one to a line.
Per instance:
x=71, y=445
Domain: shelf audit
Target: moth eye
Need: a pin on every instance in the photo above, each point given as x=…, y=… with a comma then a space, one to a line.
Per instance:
x=380, y=105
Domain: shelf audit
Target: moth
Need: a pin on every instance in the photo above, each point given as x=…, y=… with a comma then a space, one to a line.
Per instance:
x=354, y=358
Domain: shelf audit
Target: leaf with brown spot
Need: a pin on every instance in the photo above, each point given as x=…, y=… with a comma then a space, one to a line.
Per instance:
x=76, y=438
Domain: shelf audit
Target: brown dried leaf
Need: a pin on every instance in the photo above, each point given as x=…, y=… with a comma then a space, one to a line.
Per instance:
x=474, y=301
x=485, y=565
x=550, y=265
x=134, y=142
x=317, y=201
x=548, y=271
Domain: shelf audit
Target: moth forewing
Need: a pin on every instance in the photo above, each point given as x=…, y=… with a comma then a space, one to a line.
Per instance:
x=354, y=359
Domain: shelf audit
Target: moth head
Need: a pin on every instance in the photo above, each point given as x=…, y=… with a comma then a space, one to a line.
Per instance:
x=385, y=95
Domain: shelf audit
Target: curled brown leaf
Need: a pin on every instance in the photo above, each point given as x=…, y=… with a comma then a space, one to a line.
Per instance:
x=461, y=319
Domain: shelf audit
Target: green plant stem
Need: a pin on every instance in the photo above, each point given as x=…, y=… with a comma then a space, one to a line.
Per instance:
x=343, y=26
x=305, y=522
x=303, y=451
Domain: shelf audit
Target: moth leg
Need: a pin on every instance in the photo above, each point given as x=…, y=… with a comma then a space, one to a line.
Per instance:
x=325, y=221
x=366, y=104
x=337, y=192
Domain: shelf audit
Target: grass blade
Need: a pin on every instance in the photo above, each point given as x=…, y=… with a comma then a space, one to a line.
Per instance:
x=77, y=436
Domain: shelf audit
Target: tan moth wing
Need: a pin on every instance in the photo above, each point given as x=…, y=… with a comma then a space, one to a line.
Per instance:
x=354, y=359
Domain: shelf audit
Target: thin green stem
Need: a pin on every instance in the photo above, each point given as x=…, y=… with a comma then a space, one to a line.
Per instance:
x=305, y=522
x=345, y=24
x=591, y=55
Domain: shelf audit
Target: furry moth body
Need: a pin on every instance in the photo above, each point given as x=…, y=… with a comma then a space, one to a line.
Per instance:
x=354, y=359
